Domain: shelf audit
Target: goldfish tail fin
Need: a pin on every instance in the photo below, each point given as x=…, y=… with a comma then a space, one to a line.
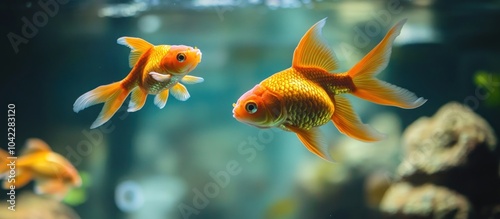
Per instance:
x=313, y=141
x=348, y=122
x=3, y=162
x=377, y=91
x=112, y=94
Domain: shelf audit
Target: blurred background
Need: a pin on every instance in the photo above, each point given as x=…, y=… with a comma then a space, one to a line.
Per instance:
x=193, y=159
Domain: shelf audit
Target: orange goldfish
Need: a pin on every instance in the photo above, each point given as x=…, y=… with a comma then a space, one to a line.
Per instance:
x=54, y=175
x=155, y=70
x=308, y=94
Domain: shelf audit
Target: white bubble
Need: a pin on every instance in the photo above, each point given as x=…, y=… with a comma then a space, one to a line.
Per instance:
x=129, y=196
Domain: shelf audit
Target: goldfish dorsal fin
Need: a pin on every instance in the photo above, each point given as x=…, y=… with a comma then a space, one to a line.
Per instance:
x=138, y=46
x=313, y=52
x=313, y=141
x=34, y=145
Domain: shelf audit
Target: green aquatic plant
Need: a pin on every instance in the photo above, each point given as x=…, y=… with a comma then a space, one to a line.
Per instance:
x=78, y=196
x=489, y=83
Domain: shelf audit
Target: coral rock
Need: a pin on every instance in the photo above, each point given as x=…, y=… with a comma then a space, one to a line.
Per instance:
x=402, y=200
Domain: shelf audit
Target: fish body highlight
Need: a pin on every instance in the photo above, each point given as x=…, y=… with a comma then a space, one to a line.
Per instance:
x=308, y=95
x=156, y=70
x=54, y=175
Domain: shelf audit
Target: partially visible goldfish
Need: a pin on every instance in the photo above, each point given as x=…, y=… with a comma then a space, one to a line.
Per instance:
x=54, y=175
x=308, y=94
x=155, y=70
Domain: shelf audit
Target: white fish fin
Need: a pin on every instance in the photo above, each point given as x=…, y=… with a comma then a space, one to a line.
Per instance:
x=188, y=79
x=160, y=77
x=137, y=99
x=54, y=187
x=180, y=92
x=161, y=99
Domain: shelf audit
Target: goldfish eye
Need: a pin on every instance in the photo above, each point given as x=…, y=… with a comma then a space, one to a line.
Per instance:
x=251, y=107
x=181, y=57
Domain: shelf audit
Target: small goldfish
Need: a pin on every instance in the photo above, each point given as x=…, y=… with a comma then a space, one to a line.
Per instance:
x=54, y=175
x=155, y=70
x=308, y=95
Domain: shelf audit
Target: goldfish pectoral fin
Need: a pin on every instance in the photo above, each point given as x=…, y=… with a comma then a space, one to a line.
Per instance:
x=188, y=79
x=313, y=52
x=113, y=103
x=160, y=77
x=55, y=188
x=180, y=92
x=348, y=122
x=313, y=141
x=34, y=145
x=161, y=99
x=374, y=90
x=137, y=99
x=138, y=46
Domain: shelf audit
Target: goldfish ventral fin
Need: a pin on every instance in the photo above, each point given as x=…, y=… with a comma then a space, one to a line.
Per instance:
x=313, y=141
x=180, y=92
x=160, y=77
x=55, y=188
x=348, y=122
x=188, y=79
x=137, y=99
x=34, y=145
x=377, y=91
x=161, y=99
x=138, y=46
x=313, y=52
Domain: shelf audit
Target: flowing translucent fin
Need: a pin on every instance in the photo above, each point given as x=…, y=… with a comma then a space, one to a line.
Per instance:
x=138, y=47
x=313, y=52
x=348, y=122
x=374, y=90
x=313, y=141
x=112, y=94
x=188, y=79
x=180, y=92
x=137, y=99
x=3, y=162
x=34, y=145
x=23, y=177
x=161, y=99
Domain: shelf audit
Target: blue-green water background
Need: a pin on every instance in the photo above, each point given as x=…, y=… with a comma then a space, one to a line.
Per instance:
x=169, y=153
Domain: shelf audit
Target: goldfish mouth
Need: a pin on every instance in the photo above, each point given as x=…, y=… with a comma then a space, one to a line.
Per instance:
x=198, y=53
x=234, y=112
